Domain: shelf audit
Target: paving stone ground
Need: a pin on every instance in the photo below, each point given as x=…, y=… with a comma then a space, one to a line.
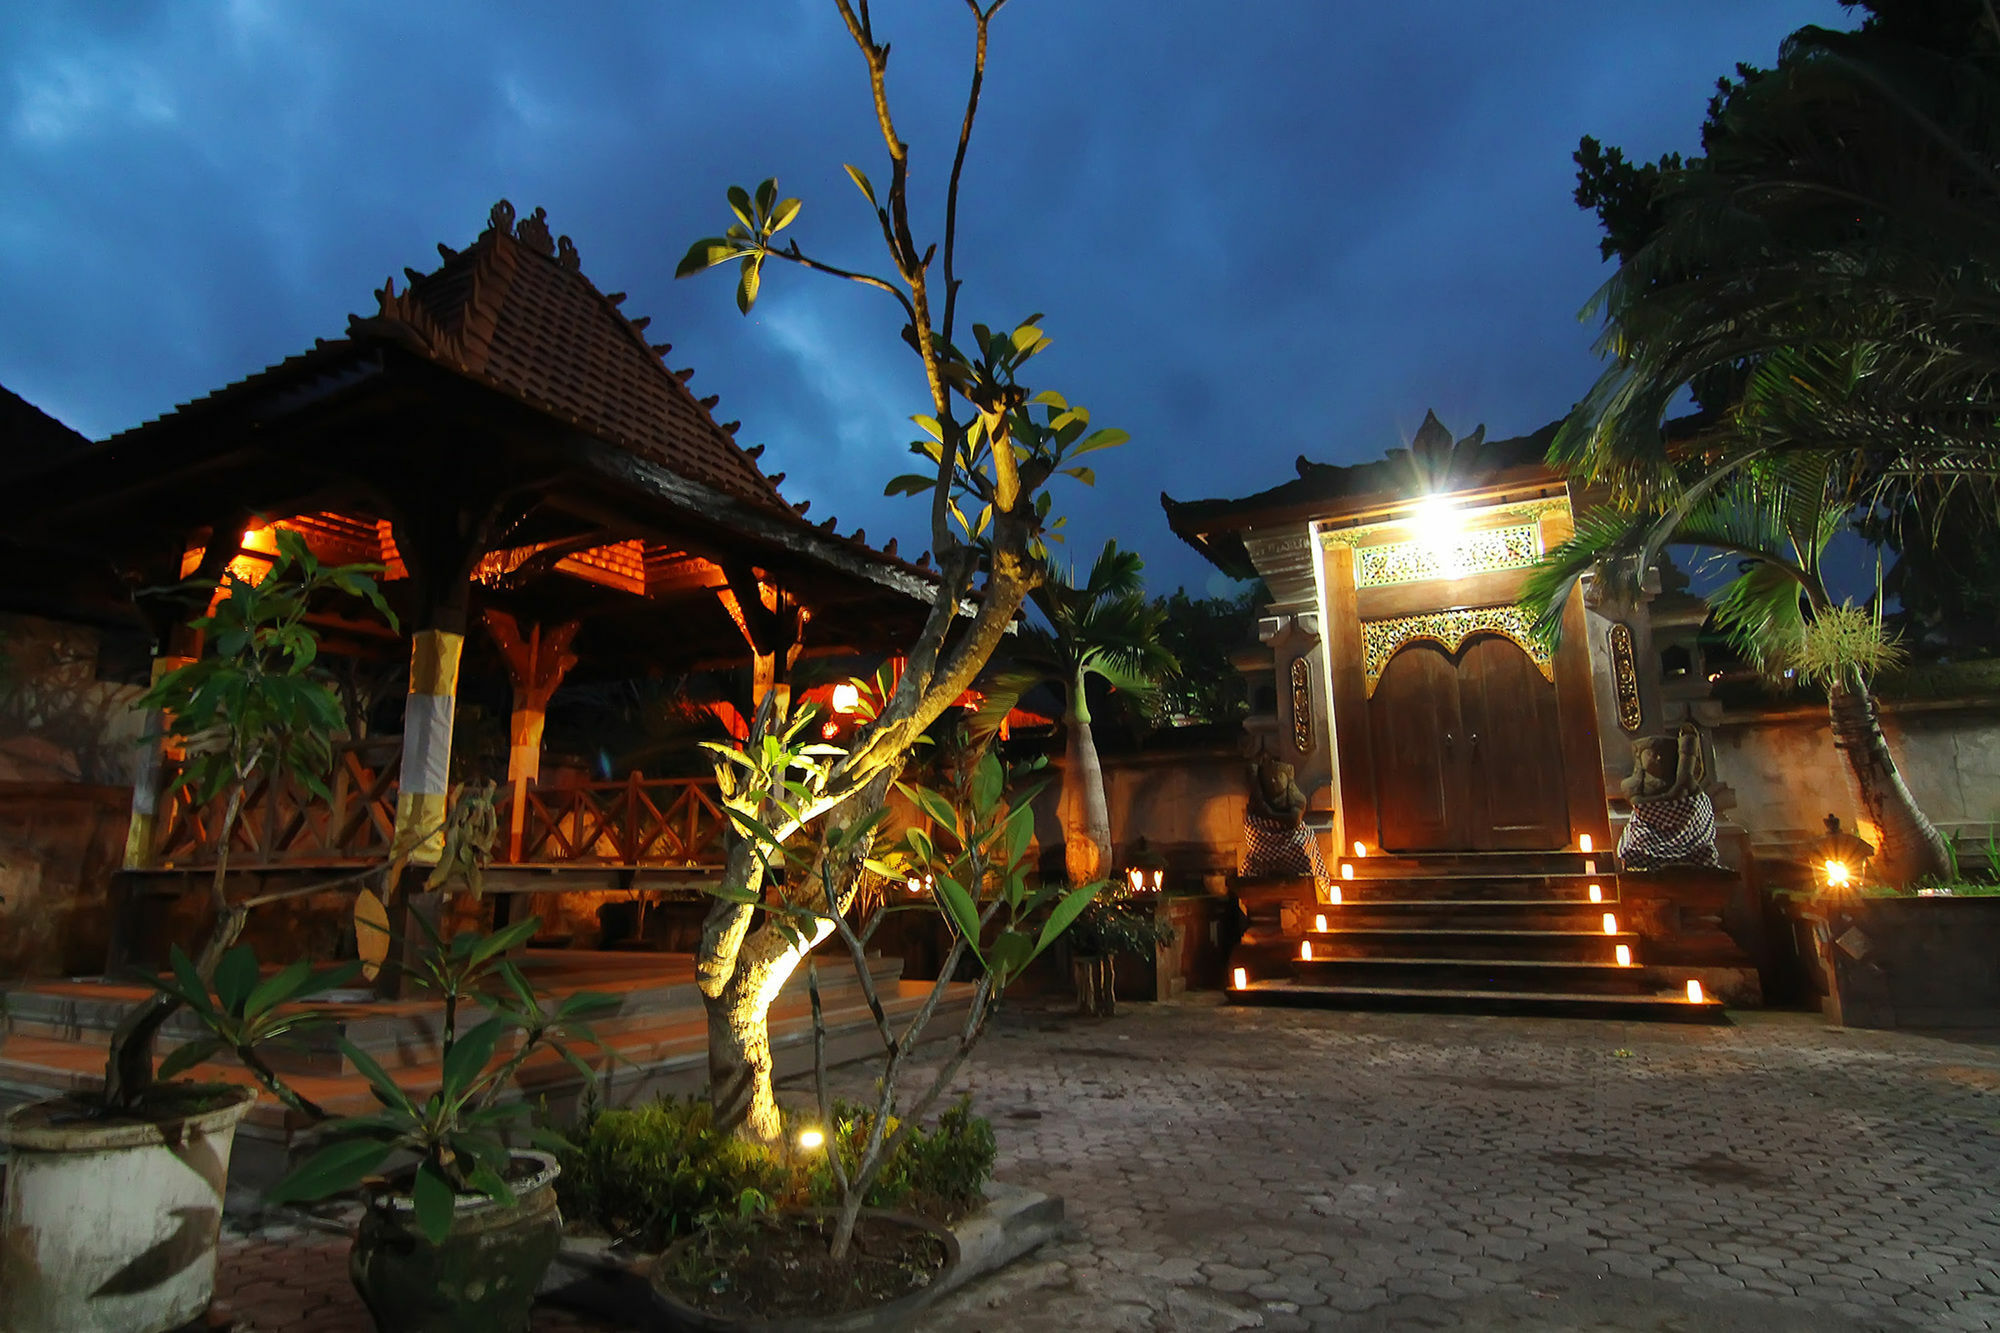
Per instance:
x=1230, y=1168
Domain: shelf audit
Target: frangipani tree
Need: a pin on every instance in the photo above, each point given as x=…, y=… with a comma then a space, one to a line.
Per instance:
x=1774, y=518
x=1102, y=627
x=805, y=817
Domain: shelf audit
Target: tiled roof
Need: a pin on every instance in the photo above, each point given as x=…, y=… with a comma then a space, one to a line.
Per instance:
x=514, y=309
x=30, y=437
x=1433, y=463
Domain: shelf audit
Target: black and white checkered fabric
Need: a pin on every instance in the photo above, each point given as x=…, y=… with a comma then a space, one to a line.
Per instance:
x=1275, y=849
x=1675, y=831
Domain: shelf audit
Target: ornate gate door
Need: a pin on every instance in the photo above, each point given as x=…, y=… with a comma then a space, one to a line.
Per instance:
x=1468, y=755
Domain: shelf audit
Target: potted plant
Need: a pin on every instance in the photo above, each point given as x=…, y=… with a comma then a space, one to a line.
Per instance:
x=975, y=861
x=1122, y=923
x=457, y=1233
x=107, y=1227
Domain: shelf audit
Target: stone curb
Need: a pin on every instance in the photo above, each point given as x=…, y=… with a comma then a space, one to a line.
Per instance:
x=588, y=1278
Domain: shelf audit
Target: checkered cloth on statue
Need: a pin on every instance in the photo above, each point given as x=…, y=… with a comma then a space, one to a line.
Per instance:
x=1276, y=842
x=1274, y=848
x=1673, y=821
x=1671, y=831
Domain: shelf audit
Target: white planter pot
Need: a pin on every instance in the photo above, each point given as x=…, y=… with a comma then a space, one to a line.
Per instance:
x=109, y=1226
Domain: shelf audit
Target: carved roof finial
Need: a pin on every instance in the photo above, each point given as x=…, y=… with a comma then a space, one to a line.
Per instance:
x=533, y=232
x=567, y=256
x=501, y=217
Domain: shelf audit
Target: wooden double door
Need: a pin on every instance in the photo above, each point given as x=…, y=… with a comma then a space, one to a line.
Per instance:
x=1468, y=751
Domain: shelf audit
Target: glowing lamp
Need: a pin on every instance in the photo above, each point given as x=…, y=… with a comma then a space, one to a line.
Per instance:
x=1137, y=879
x=1694, y=991
x=1624, y=955
x=1590, y=867
x=1306, y=951
x=811, y=1139
x=846, y=698
x=1333, y=894
x=1838, y=876
x=1346, y=870
x=829, y=730
x=1239, y=979
x=1360, y=849
x=1610, y=924
x=1584, y=844
x=1597, y=893
x=1319, y=922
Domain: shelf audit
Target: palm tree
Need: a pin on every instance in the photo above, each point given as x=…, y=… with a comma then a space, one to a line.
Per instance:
x=1775, y=518
x=1103, y=627
x=1828, y=277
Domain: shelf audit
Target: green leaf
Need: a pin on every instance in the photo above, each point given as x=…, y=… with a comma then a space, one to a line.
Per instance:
x=334, y=1169
x=959, y=906
x=782, y=215
x=1011, y=952
x=1108, y=438
x=235, y=978
x=705, y=254
x=910, y=483
x=1066, y=911
x=192, y=991
x=500, y=941
x=861, y=182
x=1082, y=474
x=468, y=1057
x=747, y=284
x=378, y=1078
x=739, y=204
x=435, y=1202
x=767, y=195
x=277, y=988
x=189, y=1054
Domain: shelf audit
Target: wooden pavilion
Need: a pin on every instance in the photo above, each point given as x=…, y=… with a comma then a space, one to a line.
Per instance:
x=549, y=500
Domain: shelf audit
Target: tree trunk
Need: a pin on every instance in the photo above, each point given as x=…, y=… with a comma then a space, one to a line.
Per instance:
x=1911, y=848
x=1086, y=821
x=739, y=1056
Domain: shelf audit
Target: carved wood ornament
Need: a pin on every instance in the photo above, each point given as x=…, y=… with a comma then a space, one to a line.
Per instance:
x=1625, y=678
x=1302, y=706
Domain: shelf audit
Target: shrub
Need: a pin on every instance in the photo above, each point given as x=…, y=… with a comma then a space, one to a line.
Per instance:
x=940, y=1174
x=650, y=1173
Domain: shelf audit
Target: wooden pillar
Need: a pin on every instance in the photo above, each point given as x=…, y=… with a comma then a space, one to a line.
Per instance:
x=773, y=623
x=536, y=665
x=427, y=722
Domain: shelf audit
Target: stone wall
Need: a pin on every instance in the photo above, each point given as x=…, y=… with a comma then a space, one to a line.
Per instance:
x=60, y=844
x=1779, y=775
x=58, y=721
x=1186, y=801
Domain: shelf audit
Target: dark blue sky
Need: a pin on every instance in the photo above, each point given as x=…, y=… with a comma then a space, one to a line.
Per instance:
x=1257, y=230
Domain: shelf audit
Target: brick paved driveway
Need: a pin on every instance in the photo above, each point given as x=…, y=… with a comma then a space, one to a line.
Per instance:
x=1283, y=1169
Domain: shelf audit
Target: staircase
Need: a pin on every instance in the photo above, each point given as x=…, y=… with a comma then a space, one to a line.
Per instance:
x=1492, y=932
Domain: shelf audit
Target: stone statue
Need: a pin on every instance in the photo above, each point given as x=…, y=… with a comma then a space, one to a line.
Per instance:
x=1673, y=821
x=1274, y=790
x=1276, y=841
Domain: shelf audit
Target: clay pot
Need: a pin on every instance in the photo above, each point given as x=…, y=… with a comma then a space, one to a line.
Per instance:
x=482, y=1277
x=109, y=1225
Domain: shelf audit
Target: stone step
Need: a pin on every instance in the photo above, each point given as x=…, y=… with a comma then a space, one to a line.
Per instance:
x=1380, y=864
x=1341, y=941
x=1478, y=888
x=1445, y=914
x=404, y=1034
x=1663, y=1007
x=1475, y=974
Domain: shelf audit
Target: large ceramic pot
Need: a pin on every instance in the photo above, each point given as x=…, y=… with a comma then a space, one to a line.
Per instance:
x=484, y=1275
x=894, y=1317
x=109, y=1224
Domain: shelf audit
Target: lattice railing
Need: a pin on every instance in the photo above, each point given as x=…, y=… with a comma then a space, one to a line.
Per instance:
x=635, y=822
x=288, y=825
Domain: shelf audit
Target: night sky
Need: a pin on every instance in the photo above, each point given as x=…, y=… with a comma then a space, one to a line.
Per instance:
x=1257, y=230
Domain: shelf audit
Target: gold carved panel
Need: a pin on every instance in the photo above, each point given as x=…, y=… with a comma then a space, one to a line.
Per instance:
x=1625, y=678
x=1482, y=552
x=1302, y=706
x=1382, y=639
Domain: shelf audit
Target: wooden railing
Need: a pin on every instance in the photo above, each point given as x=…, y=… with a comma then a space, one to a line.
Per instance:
x=637, y=822
x=289, y=825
